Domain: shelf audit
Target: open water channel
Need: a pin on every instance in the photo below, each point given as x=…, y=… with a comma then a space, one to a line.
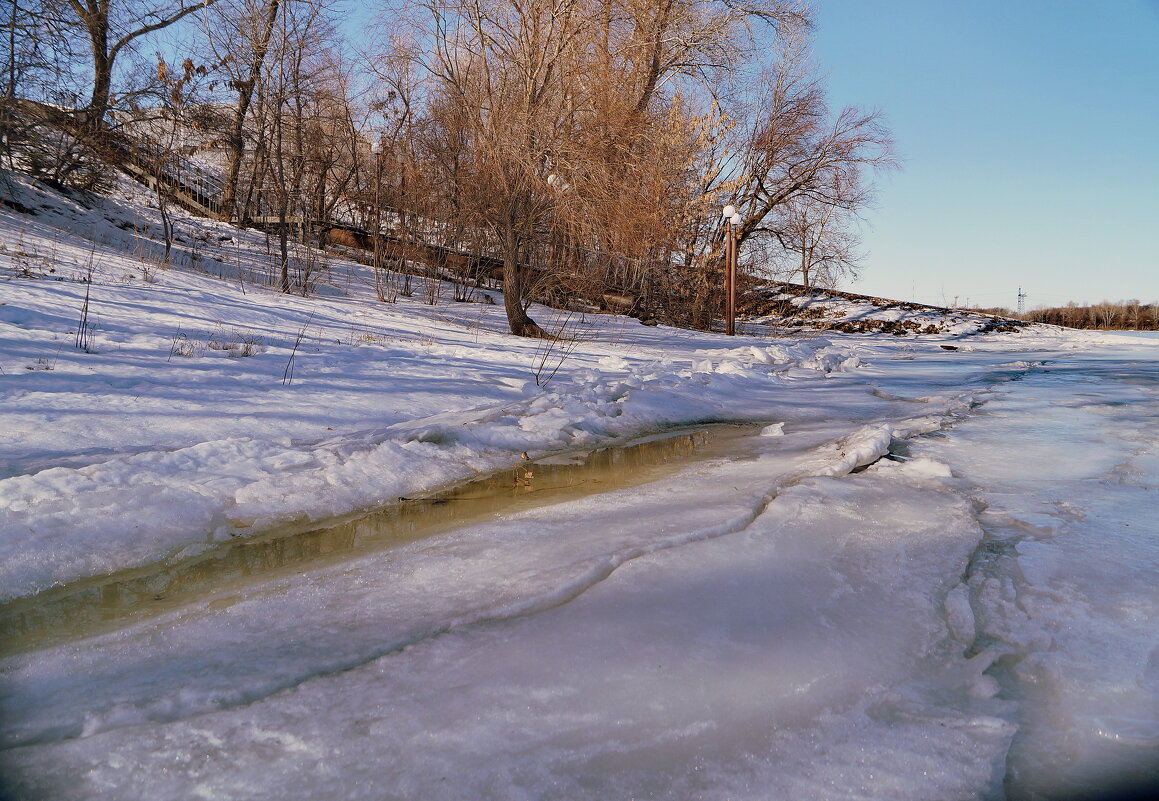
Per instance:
x=105, y=603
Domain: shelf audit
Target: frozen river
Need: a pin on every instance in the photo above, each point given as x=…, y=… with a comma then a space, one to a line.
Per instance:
x=947, y=591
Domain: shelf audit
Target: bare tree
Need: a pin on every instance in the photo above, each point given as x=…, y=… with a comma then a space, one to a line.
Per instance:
x=785, y=147
x=243, y=37
x=552, y=108
x=817, y=239
x=239, y=35
x=110, y=28
x=21, y=46
x=38, y=52
x=795, y=147
x=500, y=89
x=291, y=105
x=591, y=142
x=411, y=152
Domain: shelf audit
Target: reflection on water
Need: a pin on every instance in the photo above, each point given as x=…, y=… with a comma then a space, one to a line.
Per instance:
x=100, y=604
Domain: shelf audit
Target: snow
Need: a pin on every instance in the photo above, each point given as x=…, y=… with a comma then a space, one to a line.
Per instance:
x=906, y=572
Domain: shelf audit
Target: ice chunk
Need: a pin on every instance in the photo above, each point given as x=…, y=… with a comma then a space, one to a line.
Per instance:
x=959, y=615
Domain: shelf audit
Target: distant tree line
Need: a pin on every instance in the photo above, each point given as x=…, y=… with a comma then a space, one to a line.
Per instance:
x=1125, y=315
x=587, y=146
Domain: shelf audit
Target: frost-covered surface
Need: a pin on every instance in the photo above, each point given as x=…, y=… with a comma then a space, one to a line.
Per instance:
x=972, y=617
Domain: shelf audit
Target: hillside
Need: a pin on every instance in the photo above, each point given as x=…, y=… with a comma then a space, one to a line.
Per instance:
x=213, y=248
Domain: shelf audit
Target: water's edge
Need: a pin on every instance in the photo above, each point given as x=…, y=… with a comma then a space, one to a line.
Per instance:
x=100, y=604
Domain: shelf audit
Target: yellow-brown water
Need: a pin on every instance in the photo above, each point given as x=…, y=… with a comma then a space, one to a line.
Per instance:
x=104, y=603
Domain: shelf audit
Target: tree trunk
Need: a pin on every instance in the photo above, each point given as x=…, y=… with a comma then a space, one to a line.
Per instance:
x=166, y=223
x=283, y=251
x=518, y=320
x=806, y=258
x=98, y=30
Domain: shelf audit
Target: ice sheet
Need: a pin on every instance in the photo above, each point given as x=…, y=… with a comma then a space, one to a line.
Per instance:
x=725, y=644
x=1065, y=585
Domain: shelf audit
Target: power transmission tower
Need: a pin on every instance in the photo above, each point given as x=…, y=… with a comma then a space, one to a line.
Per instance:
x=1021, y=301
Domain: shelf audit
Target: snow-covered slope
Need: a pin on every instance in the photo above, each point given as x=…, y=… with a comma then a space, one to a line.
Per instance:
x=150, y=410
x=795, y=307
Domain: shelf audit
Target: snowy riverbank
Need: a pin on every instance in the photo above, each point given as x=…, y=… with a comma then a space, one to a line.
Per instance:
x=971, y=617
x=202, y=409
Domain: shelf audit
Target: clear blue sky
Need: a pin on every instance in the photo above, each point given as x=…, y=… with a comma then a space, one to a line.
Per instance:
x=1029, y=133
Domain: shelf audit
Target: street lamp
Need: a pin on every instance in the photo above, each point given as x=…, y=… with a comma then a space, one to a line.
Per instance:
x=733, y=220
x=376, y=149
